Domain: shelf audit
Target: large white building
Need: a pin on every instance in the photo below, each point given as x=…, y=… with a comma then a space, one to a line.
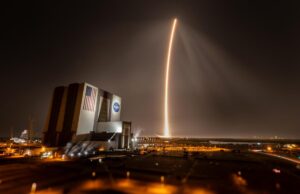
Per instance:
x=83, y=112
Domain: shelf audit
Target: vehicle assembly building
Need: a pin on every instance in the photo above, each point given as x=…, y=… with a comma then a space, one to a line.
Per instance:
x=83, y=112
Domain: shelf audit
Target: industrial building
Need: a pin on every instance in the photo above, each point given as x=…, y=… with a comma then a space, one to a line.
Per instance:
x=82, y=112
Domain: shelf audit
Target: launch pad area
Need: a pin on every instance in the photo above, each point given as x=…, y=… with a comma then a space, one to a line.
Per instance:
x=152, y=172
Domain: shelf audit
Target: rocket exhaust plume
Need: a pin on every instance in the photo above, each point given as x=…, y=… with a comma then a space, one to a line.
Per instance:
x=166, y=111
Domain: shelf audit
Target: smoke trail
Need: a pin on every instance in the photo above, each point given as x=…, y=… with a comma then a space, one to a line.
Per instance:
x=166, y=128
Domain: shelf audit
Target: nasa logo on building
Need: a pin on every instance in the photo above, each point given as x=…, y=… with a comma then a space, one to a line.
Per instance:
x=116, y=107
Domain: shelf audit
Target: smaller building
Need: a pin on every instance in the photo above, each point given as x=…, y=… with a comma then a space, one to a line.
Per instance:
x=108, y=139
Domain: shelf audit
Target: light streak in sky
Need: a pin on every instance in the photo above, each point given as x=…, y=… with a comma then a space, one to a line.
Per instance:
x=166, y=111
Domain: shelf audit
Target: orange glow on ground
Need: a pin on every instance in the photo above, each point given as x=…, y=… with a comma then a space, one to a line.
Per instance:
x=92, y=184
x=161, y=189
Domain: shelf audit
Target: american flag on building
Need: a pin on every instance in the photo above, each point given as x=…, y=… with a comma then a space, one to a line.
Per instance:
x=89, y=99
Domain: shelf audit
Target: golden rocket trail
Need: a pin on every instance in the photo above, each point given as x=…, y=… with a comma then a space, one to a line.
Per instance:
x=166, y=124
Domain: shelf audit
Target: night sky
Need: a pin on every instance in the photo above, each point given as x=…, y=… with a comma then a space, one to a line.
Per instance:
x=235, y=68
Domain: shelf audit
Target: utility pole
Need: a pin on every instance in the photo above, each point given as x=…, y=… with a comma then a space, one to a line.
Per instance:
x=30, y=128
x=11, y=132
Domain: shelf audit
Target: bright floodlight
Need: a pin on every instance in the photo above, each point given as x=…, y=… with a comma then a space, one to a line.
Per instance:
x=166, y=124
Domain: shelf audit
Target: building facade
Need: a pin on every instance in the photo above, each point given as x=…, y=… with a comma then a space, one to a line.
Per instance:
x=83, y=112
